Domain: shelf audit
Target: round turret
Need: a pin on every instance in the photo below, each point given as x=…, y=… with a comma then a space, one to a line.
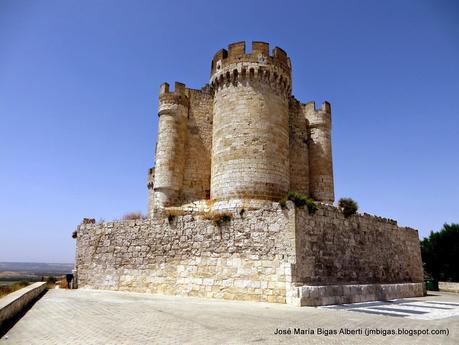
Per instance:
x=250, y=144
x=170, y=150
x=321, y=187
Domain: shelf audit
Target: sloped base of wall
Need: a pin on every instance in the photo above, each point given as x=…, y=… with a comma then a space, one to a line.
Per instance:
x=309, y=295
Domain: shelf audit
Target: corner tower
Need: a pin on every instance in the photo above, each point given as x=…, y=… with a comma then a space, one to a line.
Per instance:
x=250, y=144
x=321, y=187
x=170, y=149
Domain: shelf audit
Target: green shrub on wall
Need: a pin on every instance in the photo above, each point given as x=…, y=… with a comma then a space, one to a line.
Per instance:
x=218, y=217
x=348, y=206
x=301, y=200
x=283, y=202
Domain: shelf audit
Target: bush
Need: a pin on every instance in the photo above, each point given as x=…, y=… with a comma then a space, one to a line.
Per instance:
x=50, y=282
x=348, y=206
x=133, y=216
x=6, y=289
x=283, y=203
x=300, y=200
x=63, y=284
x=218, y=218
x=174, y=212
x=311, y=205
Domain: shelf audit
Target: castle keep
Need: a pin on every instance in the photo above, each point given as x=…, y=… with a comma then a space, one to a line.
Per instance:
x=242, y=137
x=219, y=227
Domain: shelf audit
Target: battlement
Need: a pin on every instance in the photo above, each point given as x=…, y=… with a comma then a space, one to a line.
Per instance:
x=317, y=117
x=236, y=53
x=311, y=106
x=179, y=89
x=168, y=98
x=236, y=65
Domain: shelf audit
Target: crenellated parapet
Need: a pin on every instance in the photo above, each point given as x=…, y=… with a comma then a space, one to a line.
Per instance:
x=318, y=117
x=260, y=54
x=169, y=101
x=234, y=66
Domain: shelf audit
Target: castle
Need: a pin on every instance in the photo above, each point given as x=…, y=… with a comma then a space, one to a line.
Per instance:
x=242, y=137
x=219, y=226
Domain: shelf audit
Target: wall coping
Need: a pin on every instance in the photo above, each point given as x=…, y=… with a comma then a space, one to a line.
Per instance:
x=448, y=287
x=324, y=210
x=13, y=303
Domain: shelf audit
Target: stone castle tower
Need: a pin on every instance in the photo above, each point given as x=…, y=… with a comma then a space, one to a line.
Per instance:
x=241, y=138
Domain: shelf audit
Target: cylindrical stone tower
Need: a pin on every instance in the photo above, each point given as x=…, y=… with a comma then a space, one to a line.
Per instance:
x=320, y=152
x=250, y=144
x=170, y=149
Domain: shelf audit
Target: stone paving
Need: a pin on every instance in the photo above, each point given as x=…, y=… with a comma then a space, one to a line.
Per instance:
x=107, y=317
x=421, y=309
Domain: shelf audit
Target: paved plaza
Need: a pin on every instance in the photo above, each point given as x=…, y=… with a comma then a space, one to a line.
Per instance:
x=106, y=317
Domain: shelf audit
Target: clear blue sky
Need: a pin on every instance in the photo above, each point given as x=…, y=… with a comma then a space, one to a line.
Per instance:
x=79, y=85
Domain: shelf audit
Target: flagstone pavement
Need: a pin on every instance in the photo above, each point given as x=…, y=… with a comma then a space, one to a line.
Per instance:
x=109, y=317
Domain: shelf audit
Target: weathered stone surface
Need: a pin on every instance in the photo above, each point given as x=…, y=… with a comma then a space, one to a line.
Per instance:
x=315, y=295
x=260, y=255
x=247, y=258
x=332, y=249
x=448, y=287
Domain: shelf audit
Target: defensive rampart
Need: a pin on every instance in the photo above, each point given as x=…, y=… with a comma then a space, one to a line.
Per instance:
x=274, y=254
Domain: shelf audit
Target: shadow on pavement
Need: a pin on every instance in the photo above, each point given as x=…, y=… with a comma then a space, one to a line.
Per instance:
x=8, y=324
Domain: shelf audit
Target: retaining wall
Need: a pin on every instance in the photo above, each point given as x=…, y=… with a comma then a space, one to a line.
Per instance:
x=448, y=287
x=272, y=254
x=13, y=303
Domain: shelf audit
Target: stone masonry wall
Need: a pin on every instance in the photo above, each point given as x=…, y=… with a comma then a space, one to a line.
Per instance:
x=250, y=142
x=248, y=258
x=250, y=138
x=269, y=254
x=361, y=249
x=196, y=177
x=298, y=147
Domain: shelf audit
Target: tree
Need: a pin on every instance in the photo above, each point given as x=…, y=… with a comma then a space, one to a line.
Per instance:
x=440, y=253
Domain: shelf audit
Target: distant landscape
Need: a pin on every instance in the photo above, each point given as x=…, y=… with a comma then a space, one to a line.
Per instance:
x=11, y=272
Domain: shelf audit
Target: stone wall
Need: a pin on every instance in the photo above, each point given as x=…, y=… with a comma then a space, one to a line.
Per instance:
x=361, y=249
x=247, y=258
x=448, y=287
x=14, y=303
x=272, y=254
x=196, y=177
x=298, y=148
